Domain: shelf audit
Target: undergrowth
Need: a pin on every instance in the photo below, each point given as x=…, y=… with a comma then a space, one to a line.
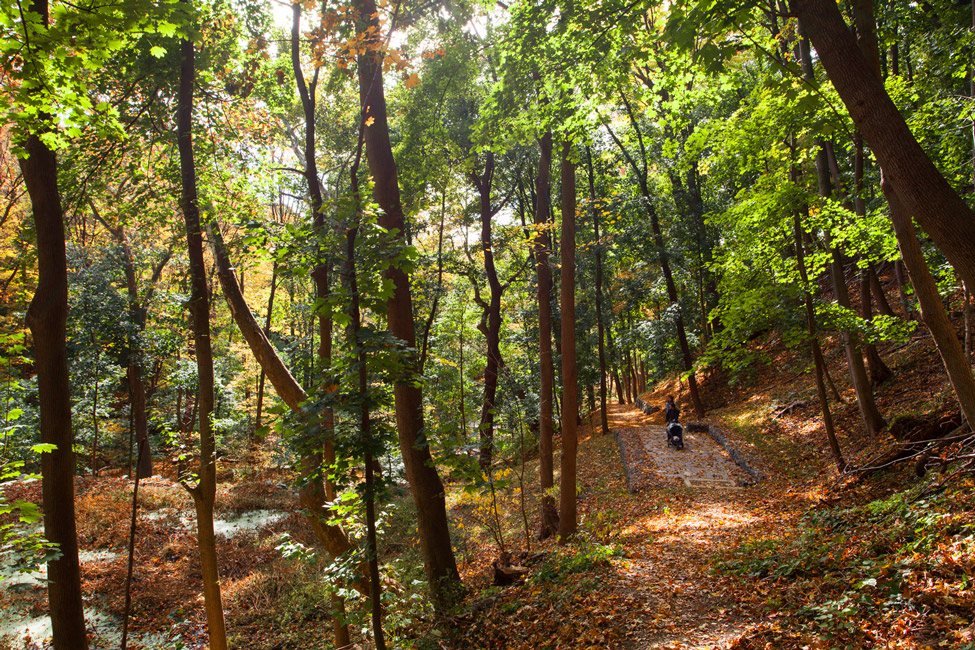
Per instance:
x=895, y=572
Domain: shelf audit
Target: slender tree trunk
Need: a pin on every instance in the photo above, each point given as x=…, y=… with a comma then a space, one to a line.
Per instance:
x=94, y=417
x=421, y=472
x=428, y=325
x=47, y=318
x=932, y=308
x=603, y=412
x=267, y=334
x=872, y=419
x=879, y=372
x=902, y=290
x=614, y=364
x=883, y=305
x=492, y=320
x=365, y=433
x=674, y=300
x=642, y=174
x=460, y=374
x=316, y=490
x=312, y=495
x=204, y=492
x=817, y=352
x=137, y=313
x=967, y=310
x=550, y=515
x=570, y=372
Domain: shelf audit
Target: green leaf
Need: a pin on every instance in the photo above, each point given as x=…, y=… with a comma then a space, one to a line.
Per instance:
x=43, y=448
x=157, y=51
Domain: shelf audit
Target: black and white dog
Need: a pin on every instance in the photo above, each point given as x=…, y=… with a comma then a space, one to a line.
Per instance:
x=675, y=435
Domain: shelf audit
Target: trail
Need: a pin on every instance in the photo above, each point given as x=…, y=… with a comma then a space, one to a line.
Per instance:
x=688, y=510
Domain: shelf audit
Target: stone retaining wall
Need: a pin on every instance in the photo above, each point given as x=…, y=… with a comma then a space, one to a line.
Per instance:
x=646, y=408
x=628, y=463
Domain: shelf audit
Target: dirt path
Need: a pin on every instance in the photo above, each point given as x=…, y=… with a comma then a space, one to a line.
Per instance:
x=681, y=518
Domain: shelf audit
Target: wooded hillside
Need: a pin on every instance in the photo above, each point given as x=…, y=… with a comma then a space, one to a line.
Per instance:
x=352, y=324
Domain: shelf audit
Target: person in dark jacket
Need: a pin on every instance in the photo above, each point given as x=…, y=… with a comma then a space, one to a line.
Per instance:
x=671, y=412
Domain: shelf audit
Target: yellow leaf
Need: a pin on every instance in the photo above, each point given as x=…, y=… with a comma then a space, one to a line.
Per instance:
x=370, y=120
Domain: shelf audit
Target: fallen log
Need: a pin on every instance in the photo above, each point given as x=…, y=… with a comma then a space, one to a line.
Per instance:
x=790, y=409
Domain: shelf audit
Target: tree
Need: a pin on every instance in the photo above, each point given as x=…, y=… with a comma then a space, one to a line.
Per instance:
x=570, y=372
x=204, y=492
x=597, y=246
x=425, y=484
x=543, y=238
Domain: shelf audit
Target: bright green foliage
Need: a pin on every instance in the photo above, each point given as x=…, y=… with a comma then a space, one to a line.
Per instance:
x=56, y=75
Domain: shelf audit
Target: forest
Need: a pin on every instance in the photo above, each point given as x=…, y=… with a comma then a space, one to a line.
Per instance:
x=350, y=324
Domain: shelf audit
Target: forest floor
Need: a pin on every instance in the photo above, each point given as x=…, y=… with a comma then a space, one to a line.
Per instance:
x=695, y=555
x=686, y=550
x=655, y=587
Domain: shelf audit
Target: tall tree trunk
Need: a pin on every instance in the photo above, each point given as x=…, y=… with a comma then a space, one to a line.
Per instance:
x=421, y=472
x=315, y=490
x=94, y=415
x=879, y=372
x=932, y=308
x=902, y=290
x=603, y=412
x=570, y=372
x=137, y=314
x=550, y=515
x=267, y=333
x=47, y=318
x=614, y=364
x=820, y=363
x=883, y=305
x=365, y=433
x=922, y=189
x=642, y=175
x=870, y=414
x=674, y=300
x=492, y=320
x=204, y=492
x=428, y=325
x=312, y=495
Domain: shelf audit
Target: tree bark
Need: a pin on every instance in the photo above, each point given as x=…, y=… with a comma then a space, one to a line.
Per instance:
x=570, y=372
x=47, y=318
x=872, y=419
x=316, y=490
x=137, y=313
x=550, y=516
x=614, y=365
x=312, y=495
x=932, y=308
x=492, y=317
x=603, y=411
x=817, y=352
x=365, y=433
x=204, y=492
x=421, y=472
x=642, y=175
x=267, y=333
